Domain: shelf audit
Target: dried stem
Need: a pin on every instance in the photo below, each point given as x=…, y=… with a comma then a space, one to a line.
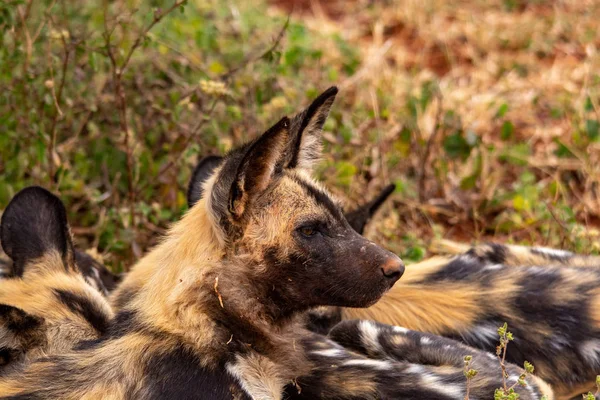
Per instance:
x=430, y=141
x=23, y=16
x=252, y=59
x=503, y=364
x=57, y=95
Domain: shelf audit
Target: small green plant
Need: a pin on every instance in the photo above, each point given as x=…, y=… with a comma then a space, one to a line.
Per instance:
x=508, y=392
x=470, y=373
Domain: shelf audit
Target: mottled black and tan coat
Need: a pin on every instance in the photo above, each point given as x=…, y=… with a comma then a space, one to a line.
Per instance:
x=219, y=311
x=46, y=304
x=549, y=298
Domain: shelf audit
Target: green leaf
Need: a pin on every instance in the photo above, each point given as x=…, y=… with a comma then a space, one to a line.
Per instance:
x=92, y=61
x=588, y=106
x=506, y=132
x=528, y=367
x=345, y=171
x=456, y=146
x=562, y=151
x=414, y=253
x=592, y=128
x=502, y=110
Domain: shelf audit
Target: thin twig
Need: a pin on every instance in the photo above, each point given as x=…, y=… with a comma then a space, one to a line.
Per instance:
x=252, y=59
x=57, y=111
x=24, y=15
x=158, y=15
x=430, y=141
x=503, y=366
x=38, y=31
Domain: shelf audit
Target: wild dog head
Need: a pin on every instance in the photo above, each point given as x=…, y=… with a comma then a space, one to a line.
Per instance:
x=95, y=273
x=46, y=306
x=265, y=208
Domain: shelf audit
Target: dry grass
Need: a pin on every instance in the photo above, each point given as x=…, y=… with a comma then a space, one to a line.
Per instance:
x=509, y=89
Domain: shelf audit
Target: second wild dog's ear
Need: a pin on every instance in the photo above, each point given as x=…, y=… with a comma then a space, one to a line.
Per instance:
x=262, y=160
x=205, y=168
x=359, y=218
x=33, y=224
x=306, y=131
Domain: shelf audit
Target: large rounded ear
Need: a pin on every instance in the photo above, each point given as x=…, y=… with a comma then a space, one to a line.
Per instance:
x=33, y=225
x=205, y=168
x=359, y=218
x=306, y=145
x=263, y=159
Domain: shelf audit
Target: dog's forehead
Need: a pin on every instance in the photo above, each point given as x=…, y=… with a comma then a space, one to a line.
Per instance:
x=305, y=195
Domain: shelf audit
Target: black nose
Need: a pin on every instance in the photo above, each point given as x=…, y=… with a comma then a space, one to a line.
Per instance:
x=393, y=268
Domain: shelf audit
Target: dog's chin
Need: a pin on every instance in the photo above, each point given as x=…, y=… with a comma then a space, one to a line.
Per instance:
x=364, y=299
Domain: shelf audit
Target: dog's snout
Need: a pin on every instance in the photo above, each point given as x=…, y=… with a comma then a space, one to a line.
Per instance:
x=393, y=268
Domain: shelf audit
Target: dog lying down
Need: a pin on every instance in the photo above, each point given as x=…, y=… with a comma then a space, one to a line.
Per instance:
x=217, y=310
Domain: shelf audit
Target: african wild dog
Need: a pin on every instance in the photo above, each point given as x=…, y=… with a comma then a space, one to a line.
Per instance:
x=402, y=364
x=218, y=315
x=227, y=283
x=368, y=360
x=46, y=306
x=551, y=309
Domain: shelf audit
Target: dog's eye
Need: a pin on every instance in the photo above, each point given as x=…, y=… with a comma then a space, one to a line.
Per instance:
x=308, y=231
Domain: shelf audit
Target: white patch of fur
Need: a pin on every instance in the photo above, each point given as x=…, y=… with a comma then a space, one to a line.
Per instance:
x=329, y=352
x=553, y=252
x=310, y=148
x=432, y=382
x=559, y=342
x=369, y=335
x=590, y=350
x=208, y=188
x=415, y=369
x=493, y=267
x=531, y=389
x=425, y=340
x=487, y=333
x=468, y=259
x=400, y=329
x=257, y=376
x=375, y=364
x=96, y=282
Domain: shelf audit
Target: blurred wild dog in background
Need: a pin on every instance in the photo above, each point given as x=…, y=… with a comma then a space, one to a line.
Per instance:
x=46, y=304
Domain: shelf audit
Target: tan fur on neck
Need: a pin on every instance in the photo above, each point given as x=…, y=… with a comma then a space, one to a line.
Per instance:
x=179, y=292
